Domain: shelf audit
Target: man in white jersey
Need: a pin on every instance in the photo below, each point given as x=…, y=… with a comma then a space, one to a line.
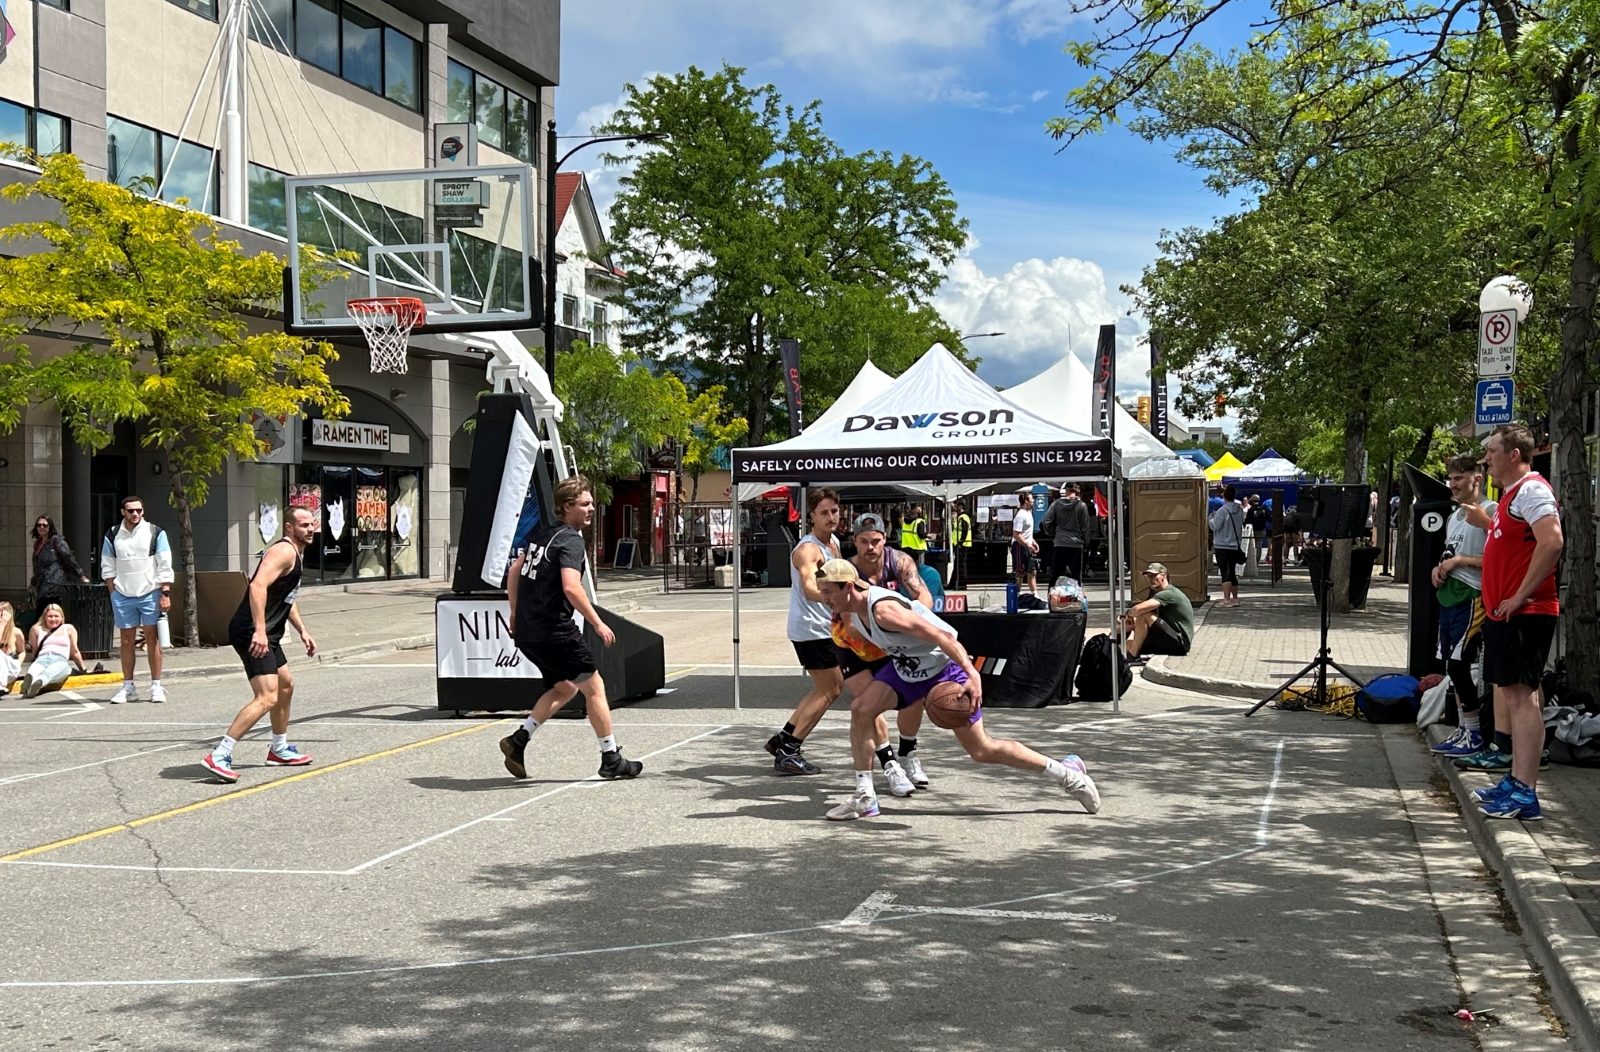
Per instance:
x=810, y=630
x=923, y=652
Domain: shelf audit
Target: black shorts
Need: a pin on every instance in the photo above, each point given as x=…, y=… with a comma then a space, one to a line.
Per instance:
x=560, y=656
x=1022, y=560
x=1515, y=650
x=816, y=654
x=1228, y=562
x=267, y=664
x=1164, y=639
x=850, y=662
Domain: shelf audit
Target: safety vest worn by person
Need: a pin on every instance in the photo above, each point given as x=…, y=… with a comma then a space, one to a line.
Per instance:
x=963, y=537
x=911, y=536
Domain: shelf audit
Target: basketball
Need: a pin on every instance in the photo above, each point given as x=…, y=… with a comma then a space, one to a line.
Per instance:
x=949, y=705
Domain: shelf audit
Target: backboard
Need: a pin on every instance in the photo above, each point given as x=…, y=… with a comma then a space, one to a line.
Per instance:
x=459, y=239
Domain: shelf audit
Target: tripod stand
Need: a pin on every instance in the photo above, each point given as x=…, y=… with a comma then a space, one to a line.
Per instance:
x=1324, y=659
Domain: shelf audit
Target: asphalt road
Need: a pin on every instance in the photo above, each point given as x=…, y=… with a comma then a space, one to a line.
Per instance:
x=1283, y=882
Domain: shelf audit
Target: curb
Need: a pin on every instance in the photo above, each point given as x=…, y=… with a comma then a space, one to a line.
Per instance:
x=1156, y=671
x=1563, y=942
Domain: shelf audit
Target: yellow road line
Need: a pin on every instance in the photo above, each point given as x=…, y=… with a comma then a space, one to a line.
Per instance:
x=682, y=671
x=240, y=794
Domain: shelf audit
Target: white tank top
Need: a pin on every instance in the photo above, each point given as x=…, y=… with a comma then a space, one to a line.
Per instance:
x=57, y=642
x=809, y=620
x=915, y=659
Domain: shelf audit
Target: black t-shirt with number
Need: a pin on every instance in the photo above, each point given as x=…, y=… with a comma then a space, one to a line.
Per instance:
x=542, y=605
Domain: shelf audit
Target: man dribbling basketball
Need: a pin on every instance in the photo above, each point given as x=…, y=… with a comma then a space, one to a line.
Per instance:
x=924, y=651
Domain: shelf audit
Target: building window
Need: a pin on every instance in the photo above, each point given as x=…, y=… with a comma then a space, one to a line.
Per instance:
x=505, y=119
x=317, y=33
x=569, y=311
x=599, y=329
x=266, y=206
x=272, y=24
x=62, y=4
x=199, y=7
x=402, y=69
x=363, y=49
x=43, y=133
x=137, y=157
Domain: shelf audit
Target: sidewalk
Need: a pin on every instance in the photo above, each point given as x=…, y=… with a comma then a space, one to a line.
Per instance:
x=1550, y=870
x=359, y=618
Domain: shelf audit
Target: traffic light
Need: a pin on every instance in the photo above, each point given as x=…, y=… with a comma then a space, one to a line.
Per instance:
x=1144, y=410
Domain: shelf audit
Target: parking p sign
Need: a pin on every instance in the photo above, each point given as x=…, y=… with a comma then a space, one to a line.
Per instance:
x=1493, y=405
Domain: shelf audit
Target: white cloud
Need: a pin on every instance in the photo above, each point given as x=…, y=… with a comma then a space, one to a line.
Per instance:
x=1045, y=308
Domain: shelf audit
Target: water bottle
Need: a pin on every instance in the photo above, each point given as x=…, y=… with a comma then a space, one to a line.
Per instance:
x=164, y=632
x=1011, y=597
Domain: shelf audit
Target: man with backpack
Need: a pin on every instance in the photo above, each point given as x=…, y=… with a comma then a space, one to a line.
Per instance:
x=136, y=564
x=1066, y=524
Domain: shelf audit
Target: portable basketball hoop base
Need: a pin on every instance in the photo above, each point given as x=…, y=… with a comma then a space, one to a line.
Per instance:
x=386, y=322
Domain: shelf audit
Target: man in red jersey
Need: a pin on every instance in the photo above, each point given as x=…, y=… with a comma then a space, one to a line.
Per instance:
x=1519, y=601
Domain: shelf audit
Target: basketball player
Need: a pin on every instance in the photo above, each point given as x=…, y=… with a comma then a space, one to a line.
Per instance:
x=256, y=633
x=923, y=652
x=543, y=628
x=810, y=632
x=860, y=660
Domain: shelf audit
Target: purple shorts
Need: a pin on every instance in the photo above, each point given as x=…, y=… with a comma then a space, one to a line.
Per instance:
x=908, y=694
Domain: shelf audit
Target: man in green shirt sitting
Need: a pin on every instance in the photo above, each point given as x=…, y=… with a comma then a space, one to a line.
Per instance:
x=1162, y=624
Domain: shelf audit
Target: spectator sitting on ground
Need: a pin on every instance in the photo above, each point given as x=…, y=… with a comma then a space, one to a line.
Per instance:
x=10, y=647
x=54, y=646
x=1161, y=624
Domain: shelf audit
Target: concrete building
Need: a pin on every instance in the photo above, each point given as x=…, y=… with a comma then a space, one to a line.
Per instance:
x=332, y=86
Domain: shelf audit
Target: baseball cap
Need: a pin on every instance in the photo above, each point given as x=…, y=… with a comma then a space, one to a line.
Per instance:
x=868, y=521
x=840, y=571
x=1156, y=568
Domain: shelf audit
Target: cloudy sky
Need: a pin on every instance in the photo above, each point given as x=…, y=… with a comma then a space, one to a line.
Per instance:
x=967, y=84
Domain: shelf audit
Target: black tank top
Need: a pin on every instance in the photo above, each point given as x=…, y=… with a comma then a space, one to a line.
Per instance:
x=281, y=595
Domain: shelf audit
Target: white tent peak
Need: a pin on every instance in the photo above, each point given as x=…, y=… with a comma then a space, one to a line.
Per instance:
x=868, y=384
x=1064, y=392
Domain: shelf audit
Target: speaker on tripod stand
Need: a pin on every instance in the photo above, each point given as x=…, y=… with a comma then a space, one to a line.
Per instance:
x=1329, y=513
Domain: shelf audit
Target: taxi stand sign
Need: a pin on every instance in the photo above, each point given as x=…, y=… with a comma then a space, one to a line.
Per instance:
x=1497, y=343
x=1493, y=405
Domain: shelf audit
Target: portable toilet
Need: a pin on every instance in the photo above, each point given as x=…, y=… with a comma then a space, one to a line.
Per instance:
x=1168, y=525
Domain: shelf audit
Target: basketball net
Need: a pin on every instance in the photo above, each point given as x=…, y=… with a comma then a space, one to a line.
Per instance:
x=386, y=322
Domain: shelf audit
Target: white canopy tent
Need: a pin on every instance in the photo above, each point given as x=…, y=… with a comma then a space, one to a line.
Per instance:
x=938, y=425
x=1064, y=392
x=867, y=385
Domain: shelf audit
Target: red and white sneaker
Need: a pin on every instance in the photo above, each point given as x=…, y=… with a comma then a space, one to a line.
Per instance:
x=222, y=770
x=288, y=756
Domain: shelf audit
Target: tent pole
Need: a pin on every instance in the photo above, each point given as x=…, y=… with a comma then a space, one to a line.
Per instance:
x=738, y=573
x=1118, y=526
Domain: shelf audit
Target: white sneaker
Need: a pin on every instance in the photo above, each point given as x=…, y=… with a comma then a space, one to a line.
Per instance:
x=1079, y=785
x=899, y=784
x=861, y=805
x=123, y=696
x=916, y=772
x=158, y=693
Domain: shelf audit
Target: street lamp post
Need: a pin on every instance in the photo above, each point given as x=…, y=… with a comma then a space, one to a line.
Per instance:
x=965, y=336
x=551, y=168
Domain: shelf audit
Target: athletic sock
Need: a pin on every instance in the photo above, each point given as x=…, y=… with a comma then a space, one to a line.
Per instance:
x=788, y=728
x=224, y=747
x=608, y=743
x=530, y=725
x=127, y=685
x=885, y=754
x=907, y=745
x=279, y=741
x=1469, y=720
x=1054, y=770
x=1502, y=742
x=864, y=784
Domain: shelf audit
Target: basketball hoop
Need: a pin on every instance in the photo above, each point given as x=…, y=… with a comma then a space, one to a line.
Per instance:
x=386, y=322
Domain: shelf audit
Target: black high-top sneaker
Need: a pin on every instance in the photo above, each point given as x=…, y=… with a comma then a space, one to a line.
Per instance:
x=612, y=765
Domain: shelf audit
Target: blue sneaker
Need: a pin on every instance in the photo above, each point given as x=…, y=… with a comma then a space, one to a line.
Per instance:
x=1518, y=801
x=1488, y=759
x=1462, y=743
x=1484, y=794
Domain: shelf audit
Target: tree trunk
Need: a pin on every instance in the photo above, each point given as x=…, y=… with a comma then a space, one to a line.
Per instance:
x=1402, y=541
x=191, y=601
x=1580, y=628
x=1355, y=450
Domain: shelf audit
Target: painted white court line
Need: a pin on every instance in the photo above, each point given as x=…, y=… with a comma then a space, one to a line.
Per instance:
x=18, y=778
x=83, y=707
x=881, y=902
x=597, y=951
x=592, y=779
x=182, y=869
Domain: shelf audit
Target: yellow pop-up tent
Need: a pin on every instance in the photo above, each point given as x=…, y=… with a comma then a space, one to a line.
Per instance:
x=1228, y=465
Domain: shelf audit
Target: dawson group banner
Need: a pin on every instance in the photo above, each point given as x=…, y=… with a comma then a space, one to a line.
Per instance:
x=943, y=465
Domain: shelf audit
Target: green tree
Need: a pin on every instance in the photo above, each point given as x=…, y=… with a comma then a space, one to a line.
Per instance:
x=746, y=223
x=709, y=429
x=1531, y=66
x=616, y=410
x=162, y=306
